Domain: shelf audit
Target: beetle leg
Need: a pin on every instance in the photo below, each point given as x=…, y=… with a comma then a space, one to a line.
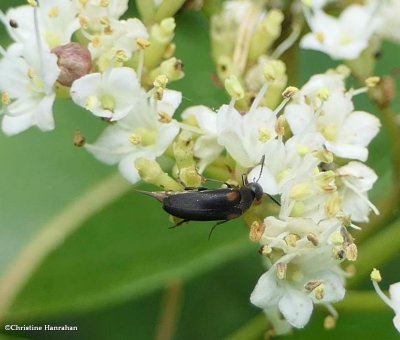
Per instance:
x=214, y=226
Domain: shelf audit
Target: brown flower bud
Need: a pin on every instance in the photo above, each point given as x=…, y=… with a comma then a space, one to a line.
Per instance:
x=74, y=61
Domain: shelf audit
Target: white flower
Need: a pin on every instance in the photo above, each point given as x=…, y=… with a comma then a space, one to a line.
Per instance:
x=357, y=179
x=286, y=161
x=344, y=37
x=112, y=94
x=27, y=78
x=56, y=19
x=329, y=111
x=394, y=300
x=119, y=35
x=296, y=281
x=206, y=147
x=389, y=14
x=94, y=11
x=140, y=134
x=246, y=136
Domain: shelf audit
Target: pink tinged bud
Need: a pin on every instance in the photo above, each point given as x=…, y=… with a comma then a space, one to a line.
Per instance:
x=74, y=61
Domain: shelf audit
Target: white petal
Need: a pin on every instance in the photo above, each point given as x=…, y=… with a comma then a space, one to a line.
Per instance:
x=266, y=293
x=205, y=117
x=13, y=125
x=170, y=102
x=348, y=151
x=296, y=307
x=394, y=291
x=127, y=168
x=112, y=146
x=359, y=128
x=207, y=150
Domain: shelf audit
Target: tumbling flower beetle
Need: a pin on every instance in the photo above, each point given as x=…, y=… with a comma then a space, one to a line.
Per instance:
x=210, y=204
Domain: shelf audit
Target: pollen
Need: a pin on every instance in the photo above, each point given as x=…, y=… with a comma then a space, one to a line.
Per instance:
x=313, y=239
x=5, y=98
x=372, y=81
x=91, y=102
x=264, y=135
x=333, y=204
x=32, y=3
x=319, y=292
x=376, y=275
x=329, y=322
x=164, y=117
x=96, y=41
x=104, y=3
x=84, y=2
x=31, y=73
x=281, y=270
x=323, y=94
x=303, y=150
x=143, y=43
x=330, y=132
x=105, y=21
x=108, y=102
x=320, y=37
x=292, y=239
x=300, y=191
x=54, y=12
x=256, y=231
x=351, y=252
x=121, y=56
x=135, y=139
x=84, y=23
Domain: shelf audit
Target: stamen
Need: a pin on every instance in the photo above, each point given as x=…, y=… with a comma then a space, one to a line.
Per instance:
x=287, y=43
x=260, y=96
x=366, y=200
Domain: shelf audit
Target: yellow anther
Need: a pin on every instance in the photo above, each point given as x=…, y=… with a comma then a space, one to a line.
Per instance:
x=32, y=3
x=54, y=12
x=164, y=117
x=121, y=56
x=91, y=102
x=281, y=270
x=264, y=135
x=323, y=94
x=290, y=91
x=376, y=275
x=143, y=43
x=5, y=98
x=300, y=191
x=313, y=239
x=320, y=37
x=84, y=22
x=96, y=41
x=135, y=139
x=372, y=81
x=351, y=252
x=256, y=231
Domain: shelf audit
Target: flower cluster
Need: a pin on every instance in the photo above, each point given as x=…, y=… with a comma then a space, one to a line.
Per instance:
x=313, y=141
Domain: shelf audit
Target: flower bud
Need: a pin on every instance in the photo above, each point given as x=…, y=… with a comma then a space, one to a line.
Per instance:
x=74, y=62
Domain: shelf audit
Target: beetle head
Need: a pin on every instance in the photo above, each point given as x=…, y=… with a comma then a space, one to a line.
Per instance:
x=256, y=189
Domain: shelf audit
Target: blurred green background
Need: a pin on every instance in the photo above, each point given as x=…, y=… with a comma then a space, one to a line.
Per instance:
x=113, y=275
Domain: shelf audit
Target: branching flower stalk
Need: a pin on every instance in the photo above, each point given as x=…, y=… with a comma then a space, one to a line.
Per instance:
x=313, y=138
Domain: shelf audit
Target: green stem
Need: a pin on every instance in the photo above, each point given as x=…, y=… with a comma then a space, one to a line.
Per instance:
x=54, y=233
x=376, y=251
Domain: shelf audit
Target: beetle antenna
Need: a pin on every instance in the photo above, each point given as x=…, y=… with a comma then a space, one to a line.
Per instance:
x=274, y=199
x=262, y=167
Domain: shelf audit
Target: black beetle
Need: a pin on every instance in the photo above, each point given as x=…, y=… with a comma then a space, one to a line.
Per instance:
x=210, y=204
